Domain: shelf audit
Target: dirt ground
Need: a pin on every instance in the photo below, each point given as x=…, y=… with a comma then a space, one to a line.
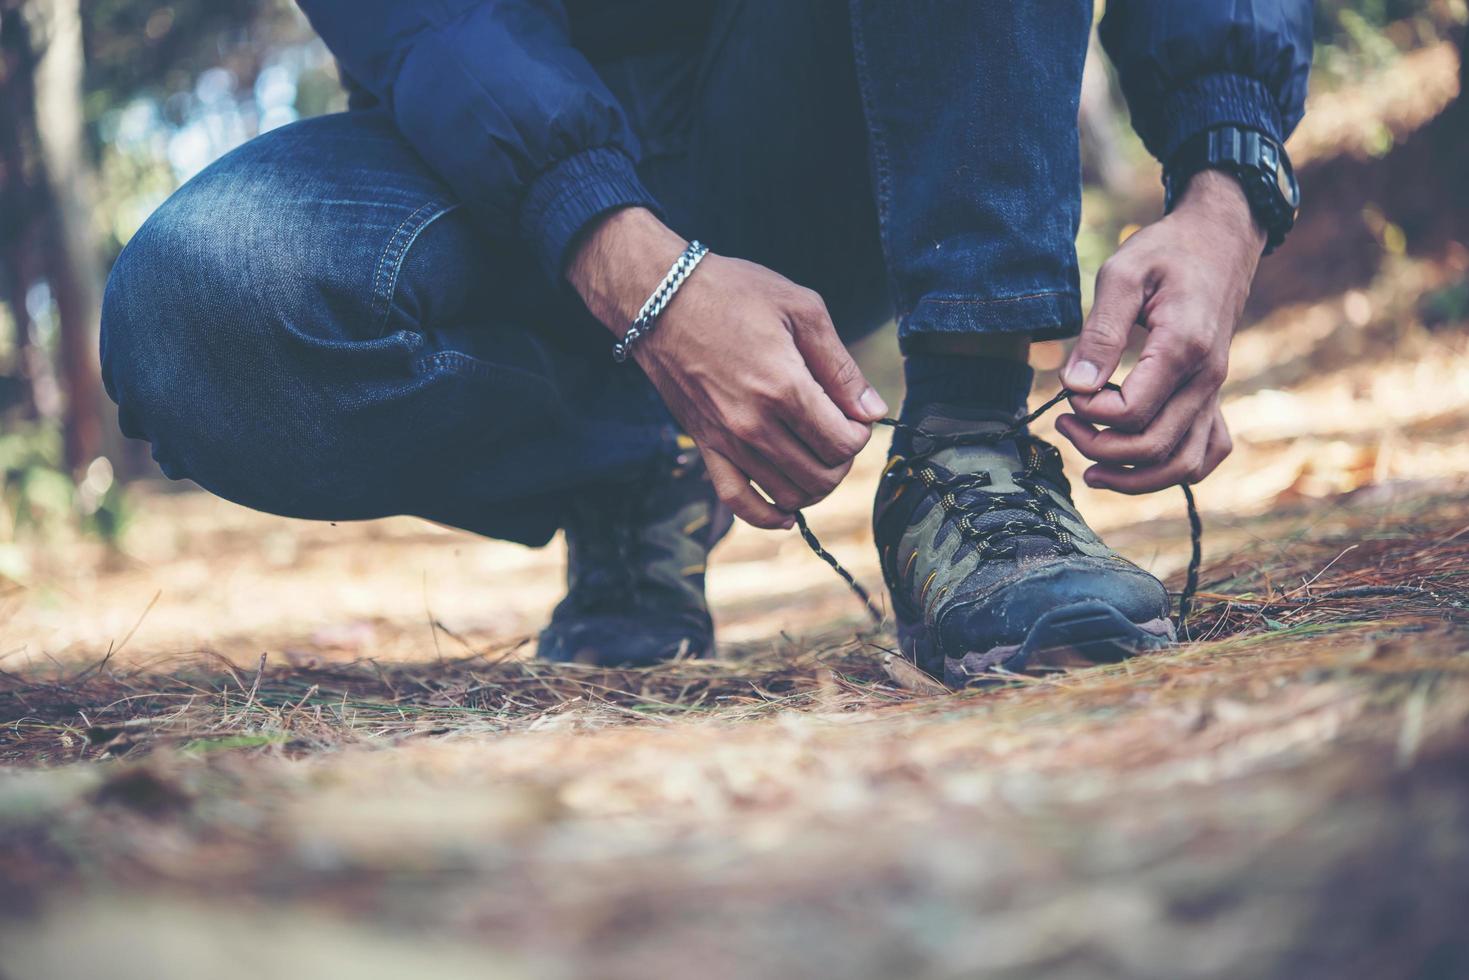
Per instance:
x=395, y=789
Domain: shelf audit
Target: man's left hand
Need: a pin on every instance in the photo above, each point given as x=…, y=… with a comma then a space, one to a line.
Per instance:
x=1184, y=279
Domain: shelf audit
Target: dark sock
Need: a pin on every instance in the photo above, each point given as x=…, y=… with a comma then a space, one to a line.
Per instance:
x=979, y=384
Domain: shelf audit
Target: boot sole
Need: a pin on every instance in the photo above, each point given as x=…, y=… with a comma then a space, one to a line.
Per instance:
x=1081, y=634
x=616, y=645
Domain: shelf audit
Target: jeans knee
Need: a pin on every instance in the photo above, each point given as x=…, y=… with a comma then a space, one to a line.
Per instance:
x=154, y=312
x=134, y=356
x=223, y=346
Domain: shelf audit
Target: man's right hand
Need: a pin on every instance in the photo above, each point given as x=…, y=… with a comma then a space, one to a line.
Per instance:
x=747, y=361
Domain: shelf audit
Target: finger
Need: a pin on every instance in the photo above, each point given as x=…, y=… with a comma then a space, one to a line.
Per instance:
x=1155, y=444
x=1118, y=302
x=1170, y=360
x=770, y=478
x=829, y=435
x=734, y=490
x=1220, y=445
x=807, y=472
x=831, y=363
x=1185, y=466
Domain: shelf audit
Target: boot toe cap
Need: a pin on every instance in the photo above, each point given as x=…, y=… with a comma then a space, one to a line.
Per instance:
x=1005, y=617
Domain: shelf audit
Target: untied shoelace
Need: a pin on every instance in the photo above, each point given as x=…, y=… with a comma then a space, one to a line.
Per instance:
x=1196, y=526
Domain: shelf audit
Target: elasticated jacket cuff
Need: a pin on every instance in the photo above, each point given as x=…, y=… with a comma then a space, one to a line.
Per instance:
x=563, y=199
x=1209, y=101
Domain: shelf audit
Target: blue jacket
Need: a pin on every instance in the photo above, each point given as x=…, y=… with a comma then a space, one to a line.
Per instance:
x=501, y=98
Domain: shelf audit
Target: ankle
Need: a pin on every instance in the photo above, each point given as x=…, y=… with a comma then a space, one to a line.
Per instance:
x=998, y=346
x=974, y=382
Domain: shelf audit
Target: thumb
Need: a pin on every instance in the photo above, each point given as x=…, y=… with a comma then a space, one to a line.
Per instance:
x=1119, y=300
x=832, y=366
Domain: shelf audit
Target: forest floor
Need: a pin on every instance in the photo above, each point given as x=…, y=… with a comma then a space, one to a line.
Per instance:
x=245, y=744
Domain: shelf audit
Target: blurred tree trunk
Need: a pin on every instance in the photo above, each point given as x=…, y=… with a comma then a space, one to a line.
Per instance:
x=39, y=397
x=73, y=266
x=1461, y=105
x=16, y=187
x=16, y=191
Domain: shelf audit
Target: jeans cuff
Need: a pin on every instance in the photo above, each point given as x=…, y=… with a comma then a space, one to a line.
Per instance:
x=565, y=198
x=1043, y=315
x=1213, y=100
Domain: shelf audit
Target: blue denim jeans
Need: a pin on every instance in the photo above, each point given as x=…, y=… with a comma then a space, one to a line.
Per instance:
x=313, y=326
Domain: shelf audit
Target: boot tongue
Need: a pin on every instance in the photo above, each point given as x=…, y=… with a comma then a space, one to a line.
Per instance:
x=999, y=461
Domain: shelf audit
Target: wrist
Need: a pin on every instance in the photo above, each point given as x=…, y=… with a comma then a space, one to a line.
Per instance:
x=1218, y=198
x=618, y=261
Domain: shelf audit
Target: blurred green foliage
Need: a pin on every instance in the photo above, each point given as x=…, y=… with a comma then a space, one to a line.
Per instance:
x=172, y=86
x=135, y=47
x=41, y=499
x=1447, y=305
x=1357, y=36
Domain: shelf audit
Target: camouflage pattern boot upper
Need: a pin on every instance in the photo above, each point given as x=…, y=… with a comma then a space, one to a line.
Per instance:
x=636, y=554
x=989, y=564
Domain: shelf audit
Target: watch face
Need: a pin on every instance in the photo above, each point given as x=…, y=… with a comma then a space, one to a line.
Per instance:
x=1285, y=180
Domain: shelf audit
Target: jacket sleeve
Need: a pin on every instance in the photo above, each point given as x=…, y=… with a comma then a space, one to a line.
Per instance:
x=501, y=106
x=1189, y=65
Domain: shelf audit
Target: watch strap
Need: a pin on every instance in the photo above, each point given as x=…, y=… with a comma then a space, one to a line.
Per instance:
x=1251, y=157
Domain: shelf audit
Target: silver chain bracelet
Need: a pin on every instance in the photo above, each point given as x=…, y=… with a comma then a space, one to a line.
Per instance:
x=653, y=308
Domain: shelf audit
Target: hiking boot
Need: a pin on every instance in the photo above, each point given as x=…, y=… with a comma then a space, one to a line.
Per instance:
x=990, y=566
x=636, y=555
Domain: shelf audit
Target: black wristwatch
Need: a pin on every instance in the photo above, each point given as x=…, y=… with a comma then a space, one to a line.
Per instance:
x=1259, y=164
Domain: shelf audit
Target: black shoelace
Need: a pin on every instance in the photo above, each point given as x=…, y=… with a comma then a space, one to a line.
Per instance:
x=939, y=441
x=990, y=521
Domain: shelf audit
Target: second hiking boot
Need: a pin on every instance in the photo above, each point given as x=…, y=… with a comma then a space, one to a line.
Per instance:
x=636, y=554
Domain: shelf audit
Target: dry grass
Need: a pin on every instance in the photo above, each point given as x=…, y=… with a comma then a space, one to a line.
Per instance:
x=1301, y=585
x=1287, y=797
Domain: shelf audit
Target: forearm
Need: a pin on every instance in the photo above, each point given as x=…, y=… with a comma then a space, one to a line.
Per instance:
x=747, y=361
x=616, y=262
x=1217, y=201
